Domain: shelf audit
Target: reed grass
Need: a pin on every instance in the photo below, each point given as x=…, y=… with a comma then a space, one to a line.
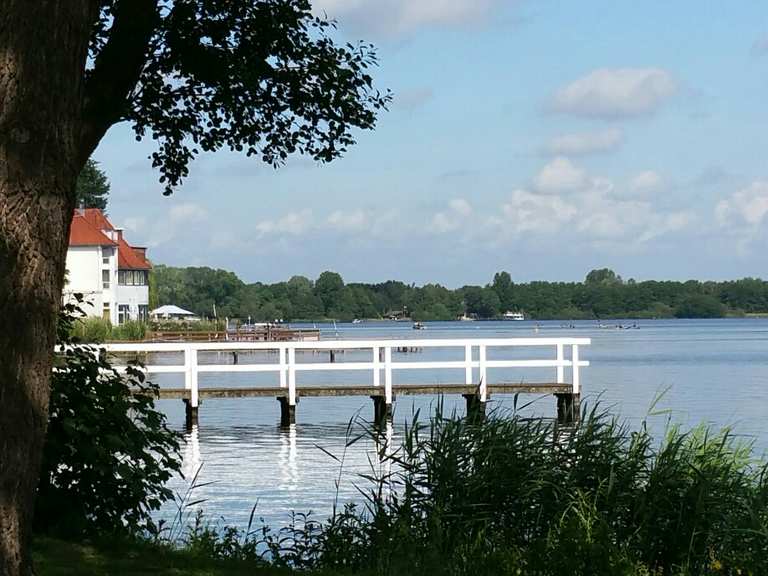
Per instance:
x=517, y=495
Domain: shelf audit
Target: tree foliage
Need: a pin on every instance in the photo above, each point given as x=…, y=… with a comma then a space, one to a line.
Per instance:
x=108, y=453
x=92, y=186
x=604, y=295
x=263, y=77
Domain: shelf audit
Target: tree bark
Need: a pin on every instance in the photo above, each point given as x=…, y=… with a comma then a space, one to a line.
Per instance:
x=43, y=50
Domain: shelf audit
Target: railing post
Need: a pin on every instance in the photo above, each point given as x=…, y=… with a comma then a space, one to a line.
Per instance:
x=376, y=367
x=468, y=364
x=388, y=375
x=193, y=371
x=288, y=403
x=192, y=403
x=283, y=375
x=292, y=376
x=575, y=363
x=560, y=366
x=483, y=375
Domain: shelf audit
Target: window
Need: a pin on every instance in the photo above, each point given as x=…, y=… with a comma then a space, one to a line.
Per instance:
x=106, y=254
x=132, y=277
x=123, y=313
x=104, y=279
x=143, y=312
x=106, y=313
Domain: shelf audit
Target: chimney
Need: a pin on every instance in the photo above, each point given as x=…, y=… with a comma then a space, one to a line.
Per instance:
x=118, y=234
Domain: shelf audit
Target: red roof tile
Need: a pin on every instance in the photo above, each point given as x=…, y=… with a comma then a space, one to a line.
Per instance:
x=88, y=228
x=97, y=218
x=84, y=233
x=129, y=258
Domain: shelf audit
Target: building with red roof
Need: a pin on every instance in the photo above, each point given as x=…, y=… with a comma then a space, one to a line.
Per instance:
x=112, y=275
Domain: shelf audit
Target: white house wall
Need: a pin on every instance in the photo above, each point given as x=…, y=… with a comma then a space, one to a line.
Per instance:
x=84, y=276
x=133, y=297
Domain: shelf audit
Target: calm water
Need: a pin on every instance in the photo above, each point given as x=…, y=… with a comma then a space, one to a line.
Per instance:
x=713, y=371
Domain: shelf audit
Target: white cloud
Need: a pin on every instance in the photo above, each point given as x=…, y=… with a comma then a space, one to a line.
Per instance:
x=646, y=181
x=745, y=207
x=560, y=175
x=583, y=143
x=582, y=208
x=348, y=221
x=397, y=17
x=536, y=213
x=187, y=213
x=181, y=220
x=616, y=93
x=292, y=224
x=457, y=216
x=628, y=220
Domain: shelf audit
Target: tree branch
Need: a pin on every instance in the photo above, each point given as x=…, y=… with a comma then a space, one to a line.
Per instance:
x=117, y=69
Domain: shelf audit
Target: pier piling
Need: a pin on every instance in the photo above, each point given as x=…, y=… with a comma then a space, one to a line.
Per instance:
x=287, y=412
x=382, y=412
x=568, y=408
x=190, y=414
x=475, y=407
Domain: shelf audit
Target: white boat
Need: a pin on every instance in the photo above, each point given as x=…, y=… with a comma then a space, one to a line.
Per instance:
x=514, y=316
x=356, y=321
x=465, y=318
x=418, y=326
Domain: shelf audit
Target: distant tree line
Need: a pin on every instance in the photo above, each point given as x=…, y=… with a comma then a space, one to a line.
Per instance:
x=603, y=294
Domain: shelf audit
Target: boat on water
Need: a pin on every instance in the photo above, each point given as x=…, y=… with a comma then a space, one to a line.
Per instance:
x=518, y=316
x=418, y=326
x=465, y=318
x=357, y=321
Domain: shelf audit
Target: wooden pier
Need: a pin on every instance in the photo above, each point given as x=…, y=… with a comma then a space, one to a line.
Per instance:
x=476, y=388
x=260, y=334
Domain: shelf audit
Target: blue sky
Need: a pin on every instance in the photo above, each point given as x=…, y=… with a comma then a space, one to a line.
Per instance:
x=541, y=137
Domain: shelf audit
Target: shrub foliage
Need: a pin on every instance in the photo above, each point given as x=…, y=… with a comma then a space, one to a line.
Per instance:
x=108, y=452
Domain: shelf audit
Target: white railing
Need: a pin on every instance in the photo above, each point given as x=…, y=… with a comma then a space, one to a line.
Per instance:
x=287, y=366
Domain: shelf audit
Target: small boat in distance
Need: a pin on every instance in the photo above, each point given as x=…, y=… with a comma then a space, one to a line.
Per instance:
x=357, y=321
x=465, y=318
x=514, y=316
x=418, y=326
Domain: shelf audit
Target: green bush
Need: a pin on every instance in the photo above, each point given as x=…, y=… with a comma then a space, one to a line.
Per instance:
x=108, y=451
x=90, y=329
x=130, y=330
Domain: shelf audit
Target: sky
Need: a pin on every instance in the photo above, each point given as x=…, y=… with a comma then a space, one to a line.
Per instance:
x=541, y=137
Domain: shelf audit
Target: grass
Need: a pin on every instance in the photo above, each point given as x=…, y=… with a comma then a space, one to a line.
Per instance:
x=59, y=558
x=507, y=496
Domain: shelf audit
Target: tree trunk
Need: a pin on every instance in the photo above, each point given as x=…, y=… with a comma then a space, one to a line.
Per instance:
x=43, y=49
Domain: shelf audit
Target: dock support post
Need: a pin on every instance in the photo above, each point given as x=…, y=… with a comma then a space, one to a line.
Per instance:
x=382, y=411
x=568, y=408
x=333, y=356
x=475, y=407
x=190, y=414
x=287, y=412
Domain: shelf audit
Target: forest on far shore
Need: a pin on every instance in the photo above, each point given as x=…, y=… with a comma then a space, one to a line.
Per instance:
x=602, y=294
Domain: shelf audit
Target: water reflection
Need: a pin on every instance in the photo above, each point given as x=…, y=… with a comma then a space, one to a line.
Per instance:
x=191, y=454
x=287, y=460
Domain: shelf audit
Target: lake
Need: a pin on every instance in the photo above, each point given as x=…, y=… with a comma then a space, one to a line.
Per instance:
x=712, y=371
